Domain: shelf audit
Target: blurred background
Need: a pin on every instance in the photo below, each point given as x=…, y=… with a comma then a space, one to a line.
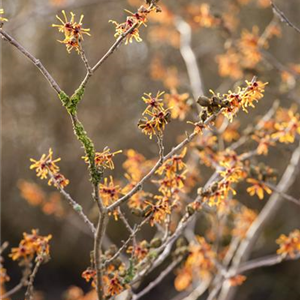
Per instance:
x=33, y=120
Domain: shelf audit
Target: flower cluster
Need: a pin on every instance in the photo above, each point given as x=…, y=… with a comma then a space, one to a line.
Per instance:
x=246, y=52
x=159, y=117
x=200, y=263
x=72, y=31
x=114, y=277
x=46, y=166
x=130, y=28
x=205, y=18
x=242, y=221
x=178, y=104
x=289, y=246
x=231, y=102
x=31, y=245
x=104, y=159
x=109, y=192
x=35, y=196
x=139, y=251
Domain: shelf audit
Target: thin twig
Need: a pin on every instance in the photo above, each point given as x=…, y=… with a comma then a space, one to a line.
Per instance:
x=126, y=243
x=77, y=207
x=14, y=290
x=284, y=195
x=99, y=236
x=264, y=216
x=282, y=16
x=110, y=51
x=39, y=260
x=3, y=247
x=34, y=60
x=190, y=59
x=85, y=60
x=267, y=261
x=158, y=279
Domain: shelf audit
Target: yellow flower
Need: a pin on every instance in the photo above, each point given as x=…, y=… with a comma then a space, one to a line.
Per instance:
x=1, y=13
x=59, y=181
x=104, y=159
x=72, y=30
x=133, y=22
x=153, y=102
x=45, y=165
x=205, y=17
x=230, y=64
x=109, y=192
x=289, y=245
x=30, y=245
x=258, y=188
x=178, y=104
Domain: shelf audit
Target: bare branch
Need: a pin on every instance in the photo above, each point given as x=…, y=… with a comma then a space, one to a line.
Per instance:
x=126, y=243
x=190, y=59
x=264, y=216
x=77, y=207
x=158, y=279
x=284, y=195
x=34, y=60
x=282, y=17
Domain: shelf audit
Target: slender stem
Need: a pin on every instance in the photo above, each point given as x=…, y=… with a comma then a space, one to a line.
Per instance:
x=100, y=231
x=264, y=216
x=110, y=51
x=282, y=17
x=158, y=279
x=14, y=290
x=284, y=195
x=189, y=58
x=126, y=243
x=76, y=206
x=29, y=291
x=33, y=59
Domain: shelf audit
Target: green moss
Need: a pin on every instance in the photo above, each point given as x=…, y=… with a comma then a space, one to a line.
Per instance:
x=89, y=148
x=70, y=103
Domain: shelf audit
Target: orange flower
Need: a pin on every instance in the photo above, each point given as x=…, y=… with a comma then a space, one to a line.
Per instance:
x=45, y=165
x=205, y=18
x=249, y=47
x=178, y=104
x=237, y=280
x=59, y=181
x=139, y=251
x=134, y=22
x=112, y=286
x=30, y=245
x=160, y=117
x=242, y=221
x=109, y=192
x=104, y=159
x=230, y=64
x=1, y=13
x=72, y=30
x=31, y=192
x=153, y=102
x=289, y=246
x=258, y=188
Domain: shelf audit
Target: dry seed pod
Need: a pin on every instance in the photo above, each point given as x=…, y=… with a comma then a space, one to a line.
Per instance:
x=214, y=186
x=190, y=210
x=204, y=101
x=137, y=212
x=155, y=243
